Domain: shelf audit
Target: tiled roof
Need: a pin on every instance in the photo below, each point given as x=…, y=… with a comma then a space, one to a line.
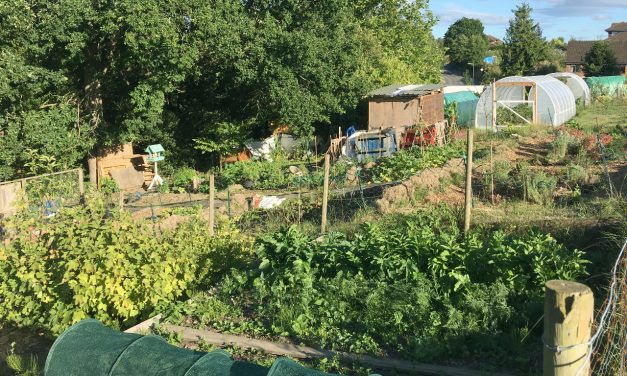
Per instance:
x=617, y=26
x=577, y=50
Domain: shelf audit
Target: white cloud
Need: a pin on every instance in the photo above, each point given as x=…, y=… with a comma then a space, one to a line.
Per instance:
x=452, y=13
x=580, y=8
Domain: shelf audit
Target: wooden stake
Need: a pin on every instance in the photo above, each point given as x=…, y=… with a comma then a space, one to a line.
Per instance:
x=568, y=310
x=81, y=183
x=212, y=208
x=325, y=193
x=468, y=200
x=494, y=106
x=491, y=173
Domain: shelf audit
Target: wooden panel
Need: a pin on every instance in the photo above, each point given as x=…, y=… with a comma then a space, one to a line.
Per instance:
x=432, y=108
x=392, y=113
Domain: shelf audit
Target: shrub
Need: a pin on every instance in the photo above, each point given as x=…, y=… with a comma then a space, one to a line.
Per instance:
x=416, y=285
x=182, y=180
x=87, y=261
x=576, y=175
x=560, y=147
x=407, y=162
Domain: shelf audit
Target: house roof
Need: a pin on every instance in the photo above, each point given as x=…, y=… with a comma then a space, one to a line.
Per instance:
x=617, y=26
x=393, y=91
x=577, y=50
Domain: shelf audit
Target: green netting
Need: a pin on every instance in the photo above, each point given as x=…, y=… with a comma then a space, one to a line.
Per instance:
x=607, y=85
x=466, y=106
x=91, y=349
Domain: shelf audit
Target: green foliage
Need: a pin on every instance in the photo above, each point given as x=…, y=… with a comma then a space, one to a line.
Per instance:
x=467, y=49
x=407, y=162
x=22, y=365
x=91, y=262
x=200, y=77
x=600, y=60
x=416, y=285
x=524, y=47
x=182, y=180
x=561, y=145
x=506, y=117
x=536, y=185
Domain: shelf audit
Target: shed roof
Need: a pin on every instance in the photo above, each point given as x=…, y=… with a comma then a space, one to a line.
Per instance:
x=617, y=26
x=578, y=49
x=397, y=90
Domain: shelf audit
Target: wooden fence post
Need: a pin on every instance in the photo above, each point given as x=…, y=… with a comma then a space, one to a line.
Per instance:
x=325, y=193
x=568, y=310
x=211, y=204
x=468, y=199
x=81, y=182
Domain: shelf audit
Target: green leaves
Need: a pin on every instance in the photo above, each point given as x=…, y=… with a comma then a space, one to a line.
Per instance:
x=524, y=46
x=80, y=264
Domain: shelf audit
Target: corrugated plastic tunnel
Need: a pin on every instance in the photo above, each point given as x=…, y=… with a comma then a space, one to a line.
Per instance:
x=91, y=349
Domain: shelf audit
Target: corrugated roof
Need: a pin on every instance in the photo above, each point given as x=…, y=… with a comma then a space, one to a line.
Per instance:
x=577, y=50
x=392, y=91
x=617, y=26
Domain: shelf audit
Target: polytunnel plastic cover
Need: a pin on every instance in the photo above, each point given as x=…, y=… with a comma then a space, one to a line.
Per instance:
x=556, y=103
x=89, y=348
x=576, y=84
x=466, y=106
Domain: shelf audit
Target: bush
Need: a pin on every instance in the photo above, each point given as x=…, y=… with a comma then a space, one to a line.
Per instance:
x=182, y=180
x=89, y=262
x=537, y=186
x=407, y=162
x=416, y=285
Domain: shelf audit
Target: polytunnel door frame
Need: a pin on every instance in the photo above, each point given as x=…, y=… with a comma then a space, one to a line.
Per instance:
x=504, y=102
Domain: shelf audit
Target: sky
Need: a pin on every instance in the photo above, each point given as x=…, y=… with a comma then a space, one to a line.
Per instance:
x=578, y=19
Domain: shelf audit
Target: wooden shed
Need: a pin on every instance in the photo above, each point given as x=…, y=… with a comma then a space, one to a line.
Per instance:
x=404, y=106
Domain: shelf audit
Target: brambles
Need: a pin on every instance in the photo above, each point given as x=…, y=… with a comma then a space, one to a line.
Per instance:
x=92, y=262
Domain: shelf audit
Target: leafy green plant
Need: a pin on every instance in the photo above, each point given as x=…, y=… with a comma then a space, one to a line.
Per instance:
x=182, y=179
x=88, y=261
x=22, y=365
x=407, y=162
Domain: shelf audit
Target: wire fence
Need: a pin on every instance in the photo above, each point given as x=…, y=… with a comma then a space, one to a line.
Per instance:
x=42, y=195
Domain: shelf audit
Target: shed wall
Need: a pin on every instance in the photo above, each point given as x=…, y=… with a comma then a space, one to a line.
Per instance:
x=392, y=113
x=432, y=107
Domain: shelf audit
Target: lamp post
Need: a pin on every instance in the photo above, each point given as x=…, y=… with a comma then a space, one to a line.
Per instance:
x=473, y=72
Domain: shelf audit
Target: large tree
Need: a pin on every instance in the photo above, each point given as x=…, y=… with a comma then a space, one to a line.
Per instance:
x=600, y=60
x=77, y=76
x=465, y=42
x=524, y=46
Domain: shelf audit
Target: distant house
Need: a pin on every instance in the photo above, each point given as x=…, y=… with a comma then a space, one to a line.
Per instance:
x=617, y=39
x=616, y=28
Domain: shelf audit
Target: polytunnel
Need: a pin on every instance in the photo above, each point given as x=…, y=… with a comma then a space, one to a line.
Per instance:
x=89, y=348
x=576, y=84
x=555, y=101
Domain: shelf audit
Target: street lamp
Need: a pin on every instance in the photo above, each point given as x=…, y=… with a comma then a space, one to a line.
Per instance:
x=473, y=72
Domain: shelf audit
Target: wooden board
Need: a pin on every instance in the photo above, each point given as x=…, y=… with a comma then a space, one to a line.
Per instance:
x=302, y=352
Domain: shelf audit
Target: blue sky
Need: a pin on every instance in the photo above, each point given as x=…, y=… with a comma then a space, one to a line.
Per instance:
x=579, y=19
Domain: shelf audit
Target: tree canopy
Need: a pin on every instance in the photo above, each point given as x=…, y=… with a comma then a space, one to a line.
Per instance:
x=524, y=46
x=195, y=75
x=466, y=42
x=600, y=60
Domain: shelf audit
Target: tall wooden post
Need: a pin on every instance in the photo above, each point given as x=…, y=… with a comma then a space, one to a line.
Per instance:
x=468, y=200
x=212, y=206
x=81, y=183
x=494, y=107
x=325, y=193
x=568, y=310
x=491, y=173
x=535, y=119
